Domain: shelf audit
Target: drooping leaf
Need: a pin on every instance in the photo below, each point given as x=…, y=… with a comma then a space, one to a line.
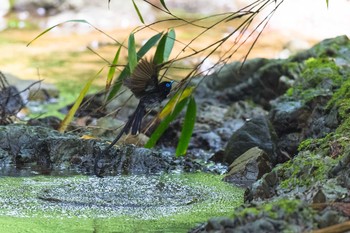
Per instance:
x=138, y=12
x=165, y=123
x=165, y=46
x=132, y=56
x=111, y=70
x=187, y=128
x=50, y=28
x=163, y=4
x=125, y=72
x=72, y=111
x=327, y=2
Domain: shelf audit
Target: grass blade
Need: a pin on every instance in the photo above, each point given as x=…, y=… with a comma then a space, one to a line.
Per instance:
x=111, y=70
x=187, y=128
x=72, y=111
x=50, y=28
x=132, y=57
x=165, y=124
x=138, y=12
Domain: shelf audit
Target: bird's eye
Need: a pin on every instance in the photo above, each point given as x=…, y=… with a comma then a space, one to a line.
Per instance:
x=168, y=85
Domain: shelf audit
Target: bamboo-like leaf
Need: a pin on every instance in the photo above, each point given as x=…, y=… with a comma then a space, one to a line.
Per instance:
x=169, y=44
x=187, y=128
x=159, y=54
x=148, y=45
x=327, y=2
x=50, y=28
x=163, y=4
x=132, y=56
x=111, y=70
x=165, y=123
x=125, y=72
x=72, y=111
x=169, y=107
x=138, y=12
x=165, y=46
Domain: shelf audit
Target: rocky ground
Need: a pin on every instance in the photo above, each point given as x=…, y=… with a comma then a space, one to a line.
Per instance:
x=279, y=126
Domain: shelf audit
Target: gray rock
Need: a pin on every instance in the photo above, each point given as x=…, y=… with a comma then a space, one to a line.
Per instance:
x=248, y=168
x=257, y=132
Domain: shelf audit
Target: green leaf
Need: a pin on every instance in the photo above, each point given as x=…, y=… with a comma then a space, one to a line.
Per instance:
x=169, y=107
x=327, y=3
x=138, y=12
x=159, y=54
x=169, y=44
x=111, y=71
x=72, y=111
x=187, y=128
x=148, y=45
x=126, y=71
x=163, y=4
x=49, y=29
x=165, y=124
x=132, y=56
x=165, y=46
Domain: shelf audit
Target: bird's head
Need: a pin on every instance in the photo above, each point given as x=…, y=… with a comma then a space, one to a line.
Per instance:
x=165, y=87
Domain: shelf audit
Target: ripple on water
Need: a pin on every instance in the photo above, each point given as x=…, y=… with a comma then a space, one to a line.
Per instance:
x=141, y=197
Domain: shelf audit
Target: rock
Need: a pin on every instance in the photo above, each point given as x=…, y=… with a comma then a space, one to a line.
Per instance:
x=256, y=132
x=50, y=121
x=260, y=80
x=32, y=90
x=248, y=168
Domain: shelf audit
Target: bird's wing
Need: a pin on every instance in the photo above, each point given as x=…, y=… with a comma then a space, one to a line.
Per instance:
x=143, y=79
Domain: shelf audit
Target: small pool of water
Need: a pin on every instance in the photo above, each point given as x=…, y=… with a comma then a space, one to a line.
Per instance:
x=157, y=203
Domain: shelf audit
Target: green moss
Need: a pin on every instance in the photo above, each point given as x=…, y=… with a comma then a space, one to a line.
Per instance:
x=318, y=77
x=305, y=169
x=341, y=99
x=270, y=209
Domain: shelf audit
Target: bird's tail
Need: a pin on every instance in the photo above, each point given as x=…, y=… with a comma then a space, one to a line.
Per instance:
x=134, y=123
x=135, y=120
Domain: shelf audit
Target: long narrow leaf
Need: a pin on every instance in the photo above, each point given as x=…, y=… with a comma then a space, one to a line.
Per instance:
x=72, y=111
x=159, y=54
x=165, y=46
x=165, y=124
x=132, y=57
x=169, y=44
x=138, y=12
x=187, y=128
x=125, y=72
x=169, y=107
x=50, y=28
x=163, y=4
x=148, y=45
x=111, y=70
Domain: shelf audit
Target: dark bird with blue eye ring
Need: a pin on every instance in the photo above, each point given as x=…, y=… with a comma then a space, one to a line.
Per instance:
x=144, y=84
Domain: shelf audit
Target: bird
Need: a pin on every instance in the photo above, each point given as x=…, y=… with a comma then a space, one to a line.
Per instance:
x=144, y=84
